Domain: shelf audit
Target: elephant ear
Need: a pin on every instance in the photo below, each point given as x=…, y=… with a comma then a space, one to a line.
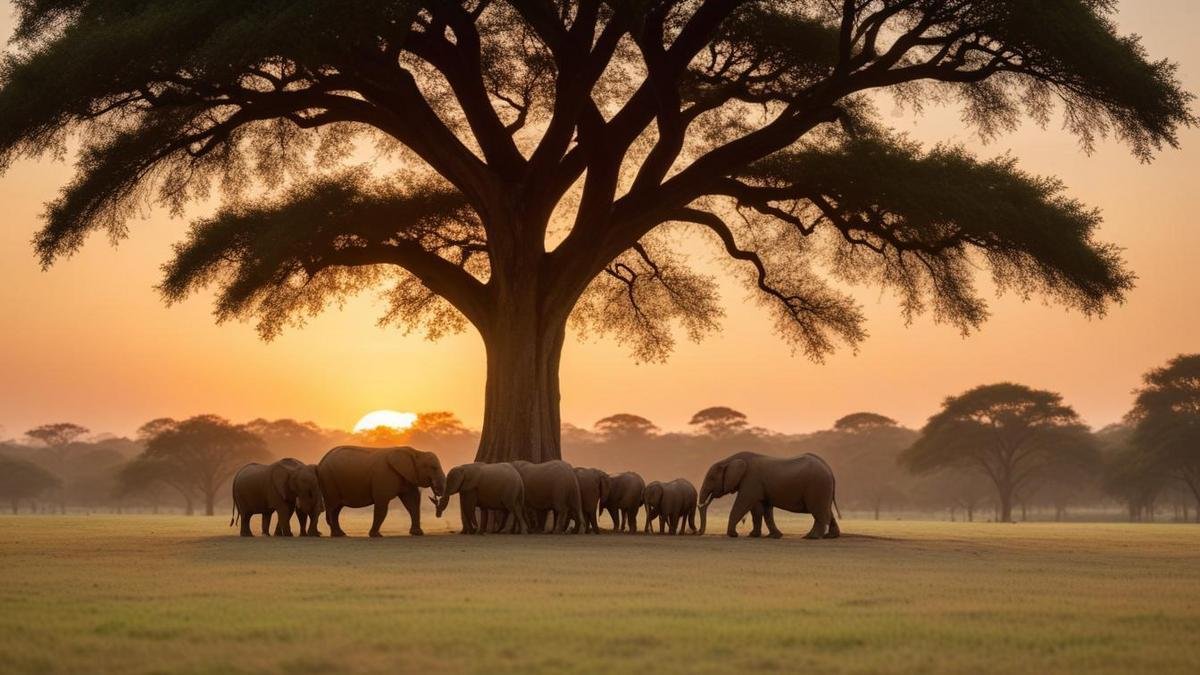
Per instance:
x=734, y=472
x=281, y=480
x=454, y=480
x=404, y=464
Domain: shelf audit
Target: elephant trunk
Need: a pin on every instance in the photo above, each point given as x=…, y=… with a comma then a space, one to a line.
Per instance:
x=704, y=514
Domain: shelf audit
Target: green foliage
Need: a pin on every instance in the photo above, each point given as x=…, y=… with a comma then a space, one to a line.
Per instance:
x=638, y=115
x=920, y=222
x=326, y=240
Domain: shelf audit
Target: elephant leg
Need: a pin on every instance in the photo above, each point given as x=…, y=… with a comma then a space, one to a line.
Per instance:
x=381, y=511
x=631, y=520
x=677, y=523
x=509, y=522
x=245, y=532
x=662, y=523
x=332, y=511
x=769, y=516
x=617, y=519
x=266, y=523
x=756, y=518
x=820, y=524
x=302, y=520
x=560, y=521
x=284, y=527
x=466, y=502
x=412, y=503
x=834, y=531
x=741, y=506
x=594, y=522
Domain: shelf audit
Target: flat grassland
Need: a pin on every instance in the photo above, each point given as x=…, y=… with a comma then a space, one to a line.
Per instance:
x=175, y=594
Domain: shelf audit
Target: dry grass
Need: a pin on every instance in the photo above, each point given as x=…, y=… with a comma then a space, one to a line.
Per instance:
x=174, y=594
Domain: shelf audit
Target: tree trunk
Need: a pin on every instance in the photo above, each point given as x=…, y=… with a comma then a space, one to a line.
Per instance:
x=970, y=514
x=209, y=499
x=521, y=403
x=1005, y=504
x=191, y=510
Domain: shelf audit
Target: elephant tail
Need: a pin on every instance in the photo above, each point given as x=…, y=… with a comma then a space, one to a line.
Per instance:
x=580, y=523
x=835, y=508
x=236, y=515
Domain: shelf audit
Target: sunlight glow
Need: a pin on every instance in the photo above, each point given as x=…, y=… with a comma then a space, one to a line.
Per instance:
x=385, y=418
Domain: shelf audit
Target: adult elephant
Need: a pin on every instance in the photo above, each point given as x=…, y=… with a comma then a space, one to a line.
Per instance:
x=354, y=476
x=673, y=503
x=624, y=500
x=551, y=487
x=593, y=489
x=803, y=484
x=277, y=489
x=490, y=487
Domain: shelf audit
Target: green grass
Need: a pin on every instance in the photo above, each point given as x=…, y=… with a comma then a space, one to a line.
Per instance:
x=175, y=594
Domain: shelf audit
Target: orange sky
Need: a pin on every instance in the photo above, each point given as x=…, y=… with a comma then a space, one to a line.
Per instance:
x=90, y=341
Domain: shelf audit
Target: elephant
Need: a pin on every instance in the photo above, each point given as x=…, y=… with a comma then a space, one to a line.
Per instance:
x=355, y=476
x=280, y=488
x=672, y=503
x=489, y=487
x=551, y=486
x=803, y=484
x=624, y=500
x=593, y=489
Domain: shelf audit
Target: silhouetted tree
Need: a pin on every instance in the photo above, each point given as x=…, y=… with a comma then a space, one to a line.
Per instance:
x=145, y=476
x=198, y=455
x=550, y=148
x=58, y=438
x=865, y=460
x=863, y=421
x=1166, y=421
x=625, y=426
x=719, y=421
x=290, y=438
x=954, y=489
x=1008, y=432
x=20, y=479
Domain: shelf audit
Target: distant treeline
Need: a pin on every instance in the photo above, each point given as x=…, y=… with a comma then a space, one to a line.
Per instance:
x=1002, y=451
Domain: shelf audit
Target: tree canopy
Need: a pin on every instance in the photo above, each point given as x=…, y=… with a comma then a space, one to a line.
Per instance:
x=1010, y=433
x=20, y=479
x=625, y=425
x=719, y=421
x=196, y=456
x=1166, y=422
x=546, y=155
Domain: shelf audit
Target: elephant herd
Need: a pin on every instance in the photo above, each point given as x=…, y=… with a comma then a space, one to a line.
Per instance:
x=521, y=497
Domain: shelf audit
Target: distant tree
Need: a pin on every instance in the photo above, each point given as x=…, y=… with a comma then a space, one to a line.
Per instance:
x=955, y=489
x=57, y=438
x=154, y=427
x=290, y=438
x=719, y=421
x=20, y=479
x=1166, y=421
x=625, y=426
x=143, y=476
x=1134, y=479
x=553, y=149
x=1010, y=433
x=863, y=449
x=863, y=421
x=200, y=454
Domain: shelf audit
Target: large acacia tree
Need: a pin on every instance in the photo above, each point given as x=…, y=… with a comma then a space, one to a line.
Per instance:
x=1013, y=435
x=1166, y=422
x=543, y=156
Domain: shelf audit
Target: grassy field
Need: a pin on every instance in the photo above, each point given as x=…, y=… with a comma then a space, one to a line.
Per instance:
x=175, y=594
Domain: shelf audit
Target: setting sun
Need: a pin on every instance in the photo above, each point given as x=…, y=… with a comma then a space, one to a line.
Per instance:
x=385, y=418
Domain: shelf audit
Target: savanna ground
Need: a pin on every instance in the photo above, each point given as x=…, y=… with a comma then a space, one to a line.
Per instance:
x=176, y=594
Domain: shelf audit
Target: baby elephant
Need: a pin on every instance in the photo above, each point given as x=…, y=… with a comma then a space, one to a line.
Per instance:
x=486, y=486
x=624, y=500
x=671, y=503
x=280, y=489
x=593, y=490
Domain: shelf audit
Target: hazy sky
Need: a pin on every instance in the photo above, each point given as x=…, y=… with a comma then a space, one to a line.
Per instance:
x=90, y=341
